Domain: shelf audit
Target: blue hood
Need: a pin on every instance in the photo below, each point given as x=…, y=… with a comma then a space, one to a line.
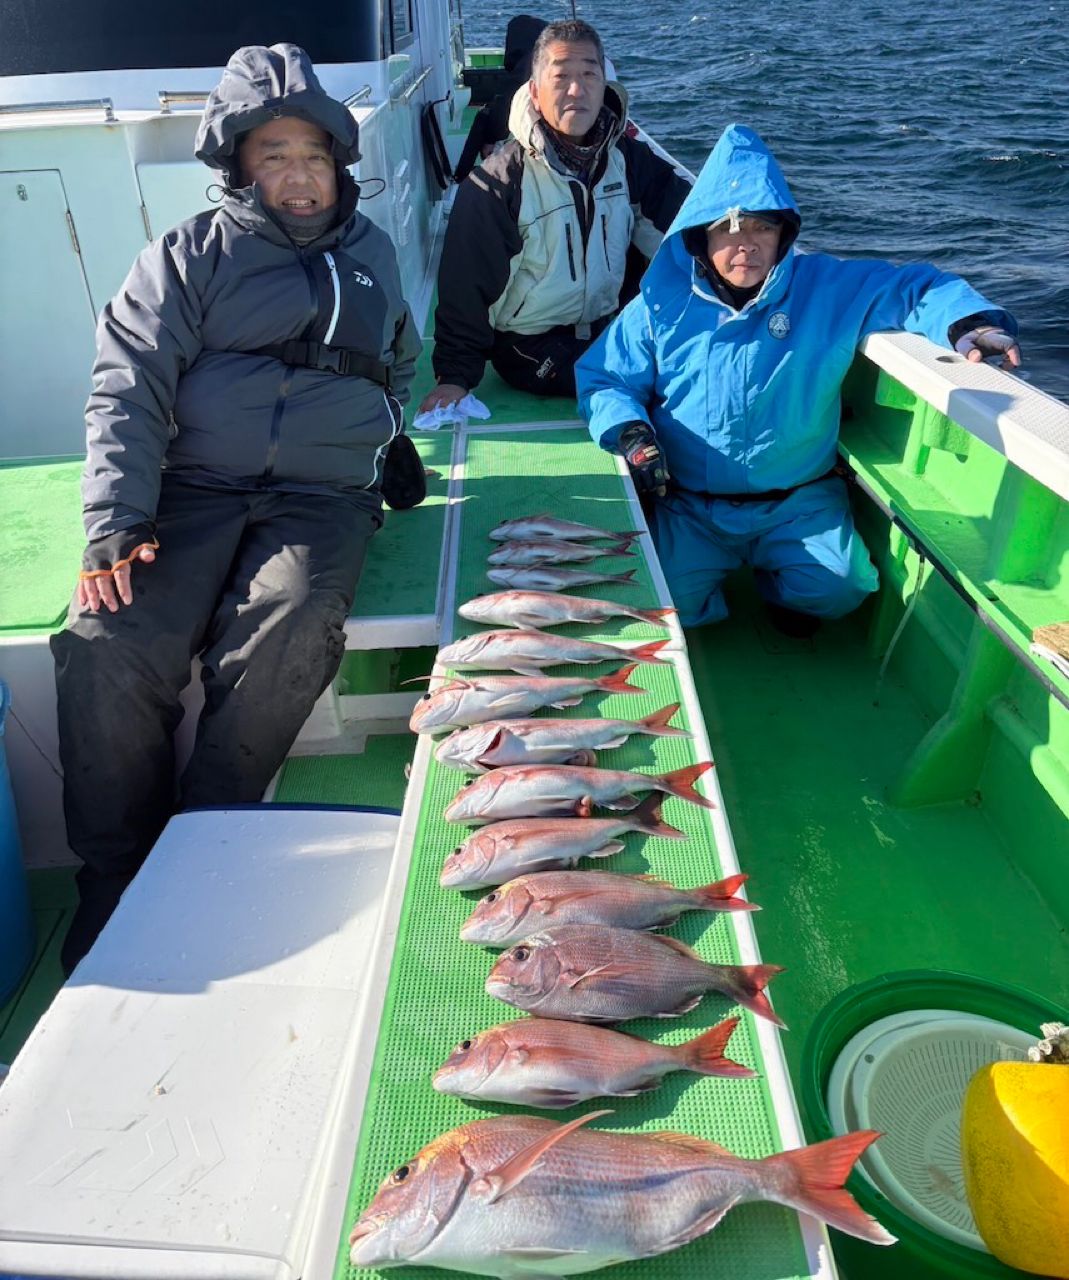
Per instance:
x=741, y=173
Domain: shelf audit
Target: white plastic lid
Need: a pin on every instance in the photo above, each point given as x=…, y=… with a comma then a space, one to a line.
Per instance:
x=906, y=1075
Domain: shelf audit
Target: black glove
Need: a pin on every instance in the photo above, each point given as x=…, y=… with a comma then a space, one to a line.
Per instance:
x=639, y=446
x=105, y=555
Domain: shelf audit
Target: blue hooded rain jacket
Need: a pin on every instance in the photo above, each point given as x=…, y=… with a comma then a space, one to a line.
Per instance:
x=747, y=401
x=744, y=402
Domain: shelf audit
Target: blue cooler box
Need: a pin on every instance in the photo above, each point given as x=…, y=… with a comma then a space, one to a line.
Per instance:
x=16, y=922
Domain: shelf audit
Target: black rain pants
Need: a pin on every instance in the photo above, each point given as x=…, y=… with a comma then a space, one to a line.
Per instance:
x=259, y=584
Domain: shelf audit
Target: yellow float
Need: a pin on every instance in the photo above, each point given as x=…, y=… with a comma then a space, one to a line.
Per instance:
x=1015, y=1154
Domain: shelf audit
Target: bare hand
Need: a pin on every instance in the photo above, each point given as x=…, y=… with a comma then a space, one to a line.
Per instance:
x=443, y=395
x=108, y=589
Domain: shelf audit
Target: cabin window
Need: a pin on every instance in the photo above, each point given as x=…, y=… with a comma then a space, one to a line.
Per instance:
x=402, y=31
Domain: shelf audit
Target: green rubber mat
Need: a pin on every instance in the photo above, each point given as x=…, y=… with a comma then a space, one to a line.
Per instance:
x=436, y=995
x=401, y=573
x=375, y=777
x=575, y=480
x=41, y=512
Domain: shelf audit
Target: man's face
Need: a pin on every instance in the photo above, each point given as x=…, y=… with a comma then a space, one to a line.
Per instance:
x=569, y=88
x=744, y=257
x=290, y=159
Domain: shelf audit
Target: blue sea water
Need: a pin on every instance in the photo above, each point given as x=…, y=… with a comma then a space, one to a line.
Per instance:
x=915, y=130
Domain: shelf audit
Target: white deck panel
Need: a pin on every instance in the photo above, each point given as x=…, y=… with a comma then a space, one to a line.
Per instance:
x=173, y=1112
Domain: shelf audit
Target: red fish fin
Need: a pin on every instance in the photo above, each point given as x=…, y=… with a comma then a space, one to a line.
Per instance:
x=621, y=547
x=656, y=880
x=700, y=1146
x=658, y=722
x=680, y=782
x=617, y=682
x=626, y=579
x=811, y=1179
x=498, y=1182
x=655, y=616
x=647, y=819
x=720, y=896
x=705, y=1054
x=648, y=652
x=746, y=983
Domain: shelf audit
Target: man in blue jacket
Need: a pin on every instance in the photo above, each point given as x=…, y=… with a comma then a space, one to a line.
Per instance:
x=720, y=385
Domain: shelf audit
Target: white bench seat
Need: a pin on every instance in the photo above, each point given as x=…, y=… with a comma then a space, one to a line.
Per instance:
x=173, y=1112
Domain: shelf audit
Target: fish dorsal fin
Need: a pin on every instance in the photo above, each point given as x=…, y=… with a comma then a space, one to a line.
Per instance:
x=498, y=1182
x=675, y=945
x=700, y=1146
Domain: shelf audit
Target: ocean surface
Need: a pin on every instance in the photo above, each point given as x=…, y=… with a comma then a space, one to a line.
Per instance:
x=915, y=130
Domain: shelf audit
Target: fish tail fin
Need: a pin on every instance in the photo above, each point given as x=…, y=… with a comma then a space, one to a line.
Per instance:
x=746, y=983
x=680, y=782
x=655, y=616
x=720, y=896
x=617, y=682
x=646, y=817
x=621, y=546
x=811, y=1179
x=648, y=652
x=627, y=579
x=658, y=722
x=705, y=1054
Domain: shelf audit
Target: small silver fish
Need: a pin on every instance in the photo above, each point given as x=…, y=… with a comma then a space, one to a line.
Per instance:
x=527, y=652
x=529, y=903
x=502, y=742
x=595, y=973
x=503, y=850
x=546, y=1062
x=551, y=578
x=528, y=553
x=459, y=702
x=548, y=609
x=562, y=790
x=542, y=527
x=522, y=1196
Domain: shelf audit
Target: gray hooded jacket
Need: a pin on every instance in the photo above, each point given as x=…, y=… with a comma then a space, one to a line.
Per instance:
x=175, y=387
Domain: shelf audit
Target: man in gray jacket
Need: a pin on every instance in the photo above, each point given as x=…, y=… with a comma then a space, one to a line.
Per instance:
x=249, y=380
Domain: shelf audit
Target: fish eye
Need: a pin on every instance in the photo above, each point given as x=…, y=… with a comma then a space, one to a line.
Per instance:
x=467, y=784
x=455, y=852
x=491, y=897
x=399, y=1175
x=466, y=1044
x=521, y=954
x=425, y=698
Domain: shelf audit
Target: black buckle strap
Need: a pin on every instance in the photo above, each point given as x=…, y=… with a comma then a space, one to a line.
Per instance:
x=337, y=360
x=775, y=495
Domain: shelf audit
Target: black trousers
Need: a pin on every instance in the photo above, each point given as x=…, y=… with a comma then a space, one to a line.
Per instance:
x=541, y=363
x=259, y=585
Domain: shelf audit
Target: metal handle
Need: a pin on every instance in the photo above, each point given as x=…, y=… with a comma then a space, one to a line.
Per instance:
x=404, y=97
x=71, y=104
x=358, y=96
x=168, y=97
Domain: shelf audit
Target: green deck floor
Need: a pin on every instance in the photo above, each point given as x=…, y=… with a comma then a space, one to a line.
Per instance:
x=852, y=887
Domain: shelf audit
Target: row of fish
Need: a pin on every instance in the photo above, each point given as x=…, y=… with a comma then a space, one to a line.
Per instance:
x=519, y=1196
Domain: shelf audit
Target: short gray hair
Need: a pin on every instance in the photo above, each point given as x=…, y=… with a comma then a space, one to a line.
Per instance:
x=567, y=31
